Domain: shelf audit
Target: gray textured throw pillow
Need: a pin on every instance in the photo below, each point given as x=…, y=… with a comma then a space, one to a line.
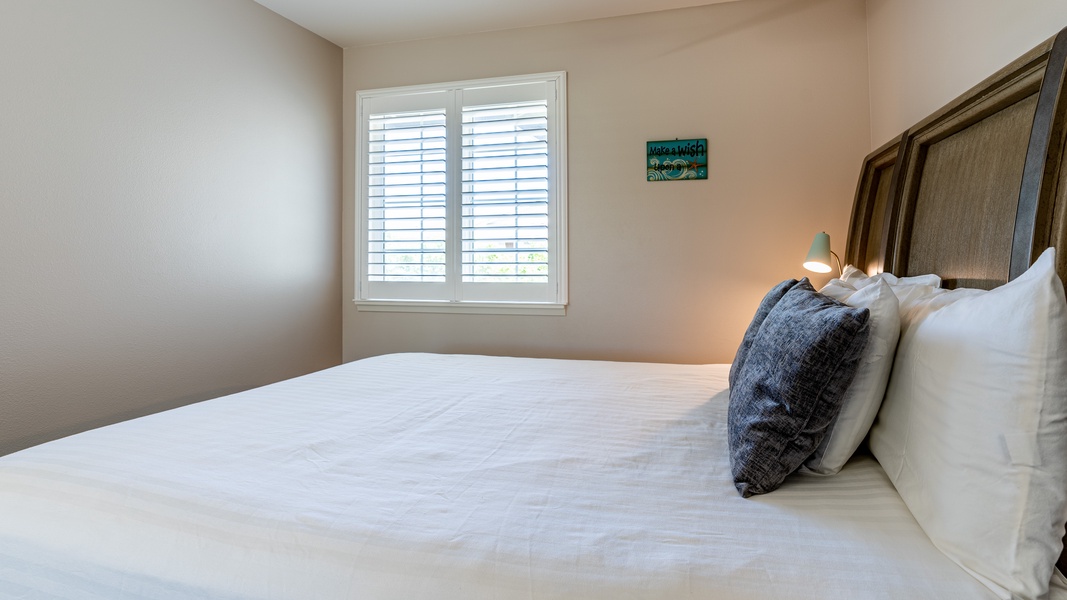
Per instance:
x=790, y=386
x=765, y=306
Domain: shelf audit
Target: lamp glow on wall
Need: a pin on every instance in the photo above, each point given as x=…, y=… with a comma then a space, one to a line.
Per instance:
x=818, y=259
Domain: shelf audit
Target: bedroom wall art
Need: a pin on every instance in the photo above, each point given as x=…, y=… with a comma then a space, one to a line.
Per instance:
x=672, y=160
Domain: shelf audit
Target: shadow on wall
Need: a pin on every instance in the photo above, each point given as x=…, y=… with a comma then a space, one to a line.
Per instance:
x=777, y=12
x=40, y=438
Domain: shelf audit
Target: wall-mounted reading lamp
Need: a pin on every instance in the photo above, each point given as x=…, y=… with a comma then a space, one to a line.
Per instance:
x=818, y=259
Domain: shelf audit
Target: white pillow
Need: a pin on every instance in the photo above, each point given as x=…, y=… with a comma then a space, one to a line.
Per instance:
x=864, y=395
x=973, y=428
x=860, y=280
x=850, y=274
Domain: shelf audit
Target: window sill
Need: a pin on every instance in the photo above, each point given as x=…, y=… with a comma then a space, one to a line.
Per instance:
x=466, y=308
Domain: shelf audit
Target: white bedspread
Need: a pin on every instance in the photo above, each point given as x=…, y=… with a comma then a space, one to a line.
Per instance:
x=451, y=477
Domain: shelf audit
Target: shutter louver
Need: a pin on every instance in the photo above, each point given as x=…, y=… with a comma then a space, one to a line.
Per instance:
x=505, y=199
x=406, y=197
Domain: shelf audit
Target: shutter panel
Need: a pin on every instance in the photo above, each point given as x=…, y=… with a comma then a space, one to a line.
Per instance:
x=406, y=197
x=505, y=193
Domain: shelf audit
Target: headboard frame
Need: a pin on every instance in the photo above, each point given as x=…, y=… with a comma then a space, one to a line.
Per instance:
x=1043, y=197
x=972, y=192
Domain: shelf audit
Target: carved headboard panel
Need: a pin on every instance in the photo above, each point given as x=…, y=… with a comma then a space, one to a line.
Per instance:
x=871, y=210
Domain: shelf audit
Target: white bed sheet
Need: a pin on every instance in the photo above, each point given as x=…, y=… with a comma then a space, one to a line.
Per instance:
x=437, y=476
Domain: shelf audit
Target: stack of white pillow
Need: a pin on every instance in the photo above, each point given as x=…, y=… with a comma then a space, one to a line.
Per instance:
x=879, y=295
x=972, y=429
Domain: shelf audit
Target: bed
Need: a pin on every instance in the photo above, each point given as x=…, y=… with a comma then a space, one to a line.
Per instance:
x=447, y=476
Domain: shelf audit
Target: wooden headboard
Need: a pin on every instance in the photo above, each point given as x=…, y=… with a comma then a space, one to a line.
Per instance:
x=976, y=191
x=973, y=192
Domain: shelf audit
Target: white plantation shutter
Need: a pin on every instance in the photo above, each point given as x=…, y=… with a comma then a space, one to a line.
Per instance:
x=406, y=197
x=462, y=193
x=505, y=193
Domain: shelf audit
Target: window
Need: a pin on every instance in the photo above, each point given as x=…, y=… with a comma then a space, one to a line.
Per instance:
x=461, y=196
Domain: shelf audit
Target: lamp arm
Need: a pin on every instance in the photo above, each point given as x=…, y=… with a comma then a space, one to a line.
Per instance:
x=840, y=271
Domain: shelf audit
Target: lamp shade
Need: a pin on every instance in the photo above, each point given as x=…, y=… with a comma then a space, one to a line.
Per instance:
x=818, y=259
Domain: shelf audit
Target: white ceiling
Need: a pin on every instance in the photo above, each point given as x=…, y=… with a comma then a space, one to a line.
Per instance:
x=364, y=22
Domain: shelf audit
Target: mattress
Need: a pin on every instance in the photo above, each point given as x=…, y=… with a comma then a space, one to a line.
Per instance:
x=444, y=476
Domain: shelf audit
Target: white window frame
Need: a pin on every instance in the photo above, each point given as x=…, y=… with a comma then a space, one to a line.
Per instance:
x=422, y=297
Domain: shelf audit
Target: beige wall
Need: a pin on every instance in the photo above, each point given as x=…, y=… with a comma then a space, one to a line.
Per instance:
x=924, y=53
x=658, y=271
x=169, y=205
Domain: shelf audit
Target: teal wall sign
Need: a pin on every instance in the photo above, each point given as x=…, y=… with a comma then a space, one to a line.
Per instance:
x=678, y=159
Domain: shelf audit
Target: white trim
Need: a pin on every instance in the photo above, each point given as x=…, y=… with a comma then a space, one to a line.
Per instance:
x=558, y=181
x=472, y=84
x=359, y=268
x=467, y=308
x=453, y=208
